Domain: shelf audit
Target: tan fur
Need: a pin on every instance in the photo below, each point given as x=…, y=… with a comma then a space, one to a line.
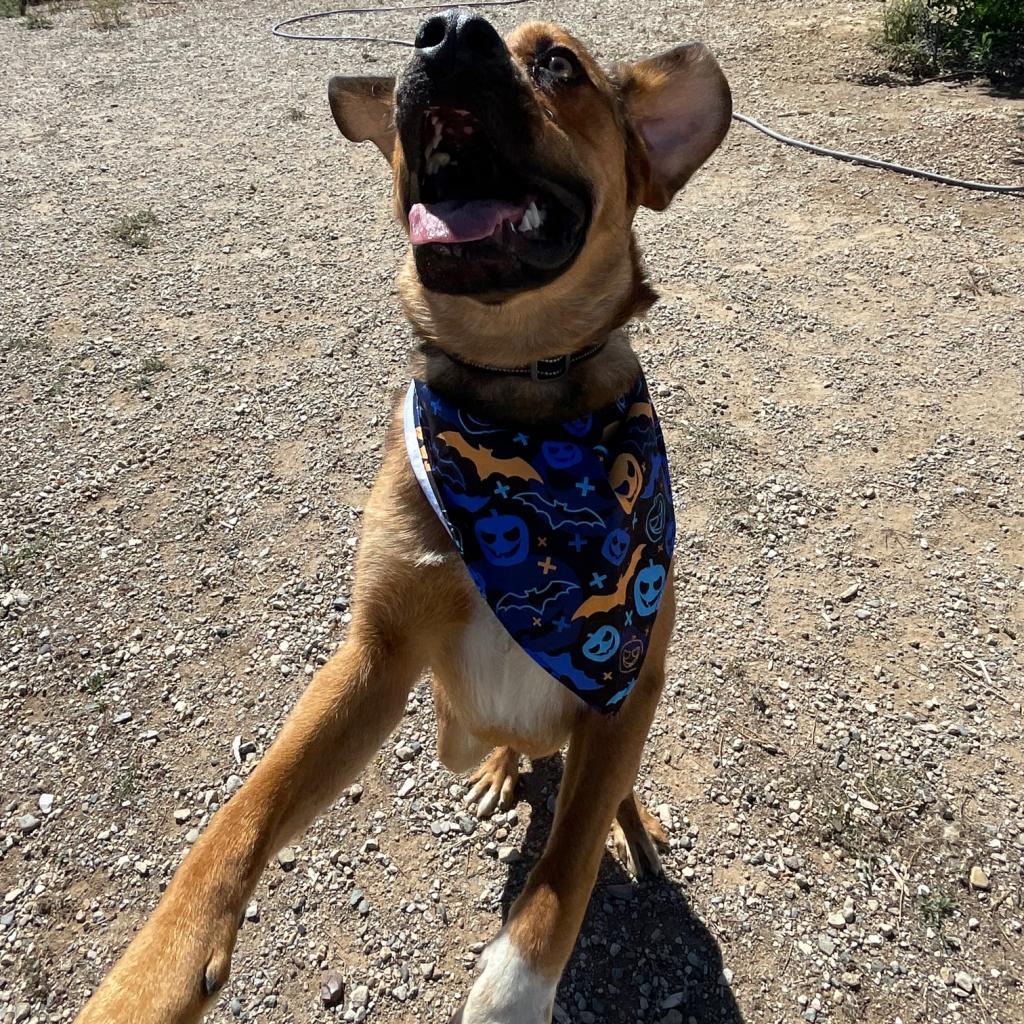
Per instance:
x=414, y=604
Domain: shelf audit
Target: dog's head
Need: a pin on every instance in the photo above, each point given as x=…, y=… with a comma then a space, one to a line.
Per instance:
x=518, y=167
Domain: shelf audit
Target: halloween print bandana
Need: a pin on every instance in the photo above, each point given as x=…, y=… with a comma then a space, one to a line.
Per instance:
x=567, y=531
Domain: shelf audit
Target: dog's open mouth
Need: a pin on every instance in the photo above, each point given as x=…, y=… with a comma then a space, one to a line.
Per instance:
x=479, y=221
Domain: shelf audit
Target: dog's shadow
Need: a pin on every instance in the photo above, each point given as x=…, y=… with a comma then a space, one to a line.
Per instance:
x=642, y=954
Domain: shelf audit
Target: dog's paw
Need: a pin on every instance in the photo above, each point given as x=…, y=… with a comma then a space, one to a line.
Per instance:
x=493, y=784
x=635, y=832
x=172, y=970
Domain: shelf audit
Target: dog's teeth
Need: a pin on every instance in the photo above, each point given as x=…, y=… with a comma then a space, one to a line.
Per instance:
x=531, y=219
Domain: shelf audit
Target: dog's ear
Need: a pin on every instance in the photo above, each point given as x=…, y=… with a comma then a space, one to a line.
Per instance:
x=680, y=105
x=364, y=109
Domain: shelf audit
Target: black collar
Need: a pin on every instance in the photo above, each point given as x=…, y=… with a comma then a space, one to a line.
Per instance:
x=542, y=369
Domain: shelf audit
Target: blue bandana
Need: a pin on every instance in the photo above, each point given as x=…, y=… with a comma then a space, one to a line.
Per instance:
x=566, y=530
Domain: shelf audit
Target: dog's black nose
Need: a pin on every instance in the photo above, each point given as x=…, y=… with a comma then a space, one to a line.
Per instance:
x=456, y=41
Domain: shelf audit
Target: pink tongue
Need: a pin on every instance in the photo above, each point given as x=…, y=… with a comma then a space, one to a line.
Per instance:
x=454, y=221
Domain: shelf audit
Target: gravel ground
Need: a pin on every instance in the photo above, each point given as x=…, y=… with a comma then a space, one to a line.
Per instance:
x=189, y=429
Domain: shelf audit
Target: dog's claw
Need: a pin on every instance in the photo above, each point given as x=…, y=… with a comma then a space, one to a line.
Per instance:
x=634, y=835
x=494, y=783
x=215, y=975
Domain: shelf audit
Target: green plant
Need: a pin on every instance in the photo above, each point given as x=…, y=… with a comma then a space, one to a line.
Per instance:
x=14, y=563
x=11, y=8
x=925, y=37
x=133, y=229
x=147, y=368
x=905, y=37
x=936, y=908
x=107, y=14
x=152, y=364
x=96, y=682
x=34, y=20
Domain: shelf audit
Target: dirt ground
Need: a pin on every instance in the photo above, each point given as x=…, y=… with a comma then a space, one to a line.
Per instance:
x=189, y=429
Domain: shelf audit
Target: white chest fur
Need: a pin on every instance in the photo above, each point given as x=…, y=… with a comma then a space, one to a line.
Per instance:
x=504, y=690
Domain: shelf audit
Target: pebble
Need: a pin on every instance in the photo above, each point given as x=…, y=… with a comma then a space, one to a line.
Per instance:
x=979, y=879
x=963, y=981
x=509, y=854
x=286, y=858
x=332, y=989
x=837, y=919
x=28, y=823
x=360, y=997
x=46, y=802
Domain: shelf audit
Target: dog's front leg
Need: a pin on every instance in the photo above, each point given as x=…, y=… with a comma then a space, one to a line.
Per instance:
x=182, y=955
x=522, y=966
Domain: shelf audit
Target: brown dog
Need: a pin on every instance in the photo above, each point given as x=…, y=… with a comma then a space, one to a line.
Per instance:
x=480, y=124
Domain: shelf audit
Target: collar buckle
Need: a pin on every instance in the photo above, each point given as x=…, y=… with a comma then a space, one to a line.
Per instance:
x=551, y=369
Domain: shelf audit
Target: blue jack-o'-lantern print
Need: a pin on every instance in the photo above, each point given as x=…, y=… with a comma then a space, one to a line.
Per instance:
x=631, y=654
x=648, y=588
x=504, y=539
x=616, y=544
x=561, y=454
x=579, y=426
x=656, y=516
x=602, y=643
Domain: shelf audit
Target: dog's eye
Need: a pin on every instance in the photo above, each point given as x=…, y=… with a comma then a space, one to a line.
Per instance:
x=560, y=64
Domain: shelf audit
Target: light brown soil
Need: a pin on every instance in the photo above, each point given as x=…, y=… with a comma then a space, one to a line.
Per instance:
x=188, y=432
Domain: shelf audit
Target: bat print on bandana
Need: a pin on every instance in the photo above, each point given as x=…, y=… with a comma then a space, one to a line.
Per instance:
x=566, y=529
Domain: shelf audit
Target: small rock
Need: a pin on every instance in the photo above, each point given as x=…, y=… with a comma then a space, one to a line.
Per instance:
x=286, y=858
x=360, y=997
x=181, y=815
x=28, y=823
x=508, y=854
x=46, y=802
x=142, y=868
x=837, y=919
x=851, y=979
x=332, y=989
x=979, y=879
x=964, y=981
